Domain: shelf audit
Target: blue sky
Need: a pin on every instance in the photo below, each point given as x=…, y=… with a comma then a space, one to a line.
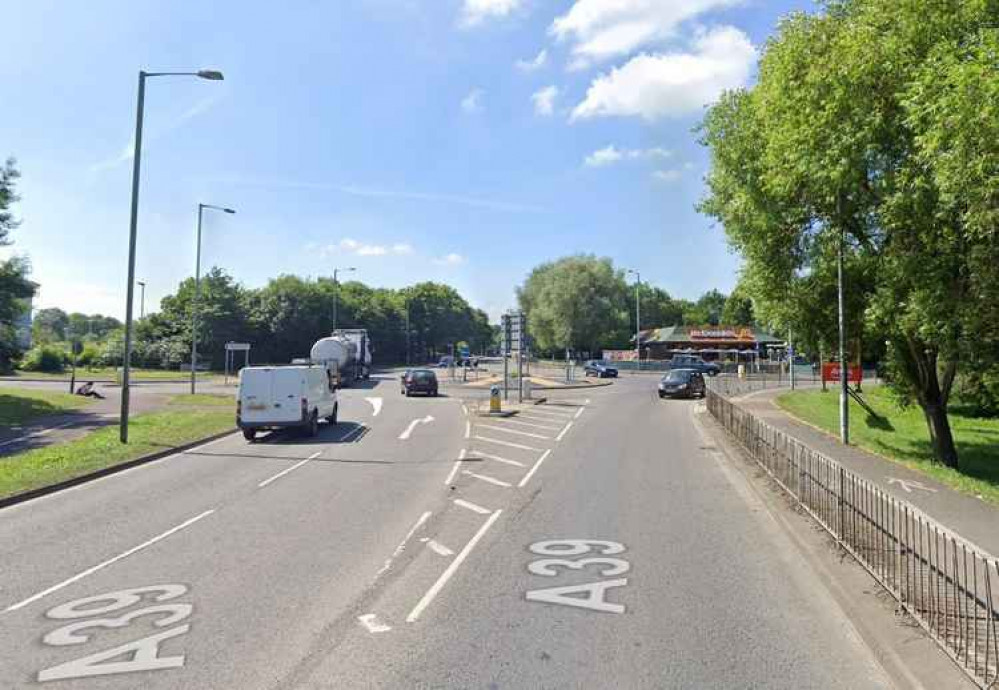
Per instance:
x=463, y=141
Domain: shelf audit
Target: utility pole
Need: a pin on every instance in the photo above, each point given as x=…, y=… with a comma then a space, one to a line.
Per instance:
x=638, y=318
x=197, y=294
x=336, y=292
x=142, y=299
x=407, y=330
x=790, y=358
x=844, y=408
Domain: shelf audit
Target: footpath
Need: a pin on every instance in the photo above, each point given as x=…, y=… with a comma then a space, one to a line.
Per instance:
x=972, y=518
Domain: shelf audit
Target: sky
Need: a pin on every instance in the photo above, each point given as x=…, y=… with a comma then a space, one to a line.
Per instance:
x=462, y=141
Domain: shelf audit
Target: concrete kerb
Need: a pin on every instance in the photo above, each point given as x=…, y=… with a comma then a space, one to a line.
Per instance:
x=105, y=471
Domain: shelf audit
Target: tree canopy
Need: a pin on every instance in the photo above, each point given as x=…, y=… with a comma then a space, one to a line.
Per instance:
x=14, y=284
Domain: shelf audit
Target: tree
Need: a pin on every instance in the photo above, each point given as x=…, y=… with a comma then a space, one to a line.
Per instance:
x=865, y=124
x=14, y=284
x=577, y=302
x=50, y=325
x=658, y=308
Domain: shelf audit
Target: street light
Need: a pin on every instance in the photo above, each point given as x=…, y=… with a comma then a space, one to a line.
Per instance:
x=335, y=295
x=638, y=317
x=197, y=293
x=213, y=75
x=142, y=299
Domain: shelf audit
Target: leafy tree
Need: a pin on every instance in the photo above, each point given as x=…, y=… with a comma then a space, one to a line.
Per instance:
x=866, y=122
x=658, y=308
x=738, y=309
x=577, y=302
x=50, y=325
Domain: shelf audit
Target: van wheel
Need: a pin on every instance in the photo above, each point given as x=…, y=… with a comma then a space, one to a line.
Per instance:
x=332, y=418
x=314, y=425
x=250, y=435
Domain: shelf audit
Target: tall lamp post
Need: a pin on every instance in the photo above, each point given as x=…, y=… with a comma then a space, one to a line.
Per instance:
x=197, y=292
x=638, y=317
x=335, y=292
x=844, y=398
x=212, y=75
x=142, y=299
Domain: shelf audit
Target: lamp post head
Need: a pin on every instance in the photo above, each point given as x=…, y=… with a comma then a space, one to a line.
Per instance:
x=210, y=74
x=229, y=210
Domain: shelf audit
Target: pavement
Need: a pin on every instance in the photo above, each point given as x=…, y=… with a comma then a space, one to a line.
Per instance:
x=59, y=428
x=969, y=517
x=599, y=540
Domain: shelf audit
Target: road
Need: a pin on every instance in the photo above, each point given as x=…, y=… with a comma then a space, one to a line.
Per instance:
x=592, y=542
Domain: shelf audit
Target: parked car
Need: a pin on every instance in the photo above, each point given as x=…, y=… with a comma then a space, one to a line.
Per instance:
x=286, y=396
x=695, y=363
x=419, y=381
x=599, y=368
x=445, y=362
x=682, y=383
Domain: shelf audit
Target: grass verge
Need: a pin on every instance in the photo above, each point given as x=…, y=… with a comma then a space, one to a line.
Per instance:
x=202, y=400
x=901, y=435
x=18, y=405
x=109, y=374
x=99, y=449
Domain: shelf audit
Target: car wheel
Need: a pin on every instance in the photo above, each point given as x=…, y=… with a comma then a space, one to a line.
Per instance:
x=250, y=434
x=434, y=393
x=313, y=427
x=332, y=418
x=407, y=393
x=661, y=395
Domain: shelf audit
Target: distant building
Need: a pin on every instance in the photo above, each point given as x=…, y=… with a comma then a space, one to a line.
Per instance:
x=724, y=343
x=22, y=325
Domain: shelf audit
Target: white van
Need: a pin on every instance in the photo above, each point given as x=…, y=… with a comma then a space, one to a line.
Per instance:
x=285, y=396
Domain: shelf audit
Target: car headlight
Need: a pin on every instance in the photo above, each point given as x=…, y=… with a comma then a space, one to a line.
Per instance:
x=682, y=386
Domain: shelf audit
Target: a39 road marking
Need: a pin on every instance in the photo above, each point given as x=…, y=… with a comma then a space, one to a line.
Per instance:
x=591, y=595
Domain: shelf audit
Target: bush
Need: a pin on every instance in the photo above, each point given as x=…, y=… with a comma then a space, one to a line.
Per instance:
x=44, y=358
x=89, y=356
x=978, y=392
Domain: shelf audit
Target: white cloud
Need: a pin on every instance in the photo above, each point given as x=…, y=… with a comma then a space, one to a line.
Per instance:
x=351, y=246
x=371, y=250
x=451, y=259
x=675, y=84
x=475, y=12
x=544, y=100
x=666, y=175
x=402, y=249
x=604, y=29
x=534, y=64
x=610, y=154
x=472, y=103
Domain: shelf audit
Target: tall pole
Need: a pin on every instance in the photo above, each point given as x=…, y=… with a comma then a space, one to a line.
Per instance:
x=335, y=270
x=638, y=319
x=844, y=408
x=142, y=299
x=197, y=303
x=130, y=289
x=407, y=331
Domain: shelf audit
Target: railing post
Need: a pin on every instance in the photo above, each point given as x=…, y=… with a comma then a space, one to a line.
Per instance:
x=839, y=500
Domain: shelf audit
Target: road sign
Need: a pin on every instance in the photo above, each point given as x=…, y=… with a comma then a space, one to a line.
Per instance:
x=830, y=372
x=237, y=347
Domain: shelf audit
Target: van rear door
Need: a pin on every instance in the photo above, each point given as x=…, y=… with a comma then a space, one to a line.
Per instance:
x=288, y=387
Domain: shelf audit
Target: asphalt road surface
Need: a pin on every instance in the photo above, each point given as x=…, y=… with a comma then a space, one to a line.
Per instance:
x=590, y=543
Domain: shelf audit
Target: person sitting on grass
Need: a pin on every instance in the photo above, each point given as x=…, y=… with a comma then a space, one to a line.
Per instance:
x=87, y=390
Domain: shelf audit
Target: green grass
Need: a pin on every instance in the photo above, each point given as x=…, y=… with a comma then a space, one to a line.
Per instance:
x=904, y=438
x=203, y=400
x=18, y=405
x=108, y=373
x=99, y=449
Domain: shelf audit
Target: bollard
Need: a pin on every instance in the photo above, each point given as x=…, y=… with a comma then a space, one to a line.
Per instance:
x=494, y=398
x=742, y=371
x=527, y=388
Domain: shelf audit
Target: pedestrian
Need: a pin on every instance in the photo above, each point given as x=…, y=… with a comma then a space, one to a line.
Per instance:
x=87, y=391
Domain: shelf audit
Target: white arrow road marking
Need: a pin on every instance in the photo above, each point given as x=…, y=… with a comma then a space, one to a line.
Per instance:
x=412, y=425
x=370, y=621
x=376, y=404
x=909, y=484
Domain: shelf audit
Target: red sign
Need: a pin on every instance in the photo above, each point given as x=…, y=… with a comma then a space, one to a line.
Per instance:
x=830, y=372
x=721, y=334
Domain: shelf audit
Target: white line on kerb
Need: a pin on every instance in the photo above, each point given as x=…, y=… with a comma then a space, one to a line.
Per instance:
x=287, y=470
x=474, y=507
x=507, y=443
x=485, y=478
x=576, y=416
x=563, y=432
x=498, y=458
x=454, y=468
x=452, y=567
x=439, y=548
x=100, y=566
x=402, y=545
x=468, y=428
x=527, y=477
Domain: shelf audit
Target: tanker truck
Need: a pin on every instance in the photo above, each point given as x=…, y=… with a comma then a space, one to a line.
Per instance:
x=349, y=350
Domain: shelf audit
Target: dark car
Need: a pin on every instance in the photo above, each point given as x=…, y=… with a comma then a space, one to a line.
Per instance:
x=599, y=368
x=695, y=363
x=419, y=381
x=682, y=383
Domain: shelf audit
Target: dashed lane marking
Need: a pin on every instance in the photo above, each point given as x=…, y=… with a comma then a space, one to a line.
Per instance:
x=498, y=442
x=530, y=424
x=402, y=545
x=474, y=507
x=287, y=470
x=527, y=477
x=515, y=431
x=563, y=432
x=486, y=478
x=498, y=458
x=454, y=468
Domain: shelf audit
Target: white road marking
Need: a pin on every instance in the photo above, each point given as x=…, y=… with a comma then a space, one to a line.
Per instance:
x=402, y=545
x=353, y=433
x=376, y=405
x=486, y=478
x=370, y=621
x=545, y=413
x=475, y=508
x=412, y=425
x=515, y=431
x=530, y=424
x=909, y=484
x=287, y=470
x=576, y=416
x=440, y=548
x=498, y=458
x=110, y=561
x=527, y=477
x=464, y=409
x=563, y=432
x=507, y=443
x=454, y=469
x=468, y=428
x=451, y=569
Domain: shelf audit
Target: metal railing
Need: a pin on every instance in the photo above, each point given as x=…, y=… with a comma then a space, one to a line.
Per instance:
x=943, y=581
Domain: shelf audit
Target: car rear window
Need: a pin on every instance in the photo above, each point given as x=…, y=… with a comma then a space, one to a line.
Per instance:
x=423, y=376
